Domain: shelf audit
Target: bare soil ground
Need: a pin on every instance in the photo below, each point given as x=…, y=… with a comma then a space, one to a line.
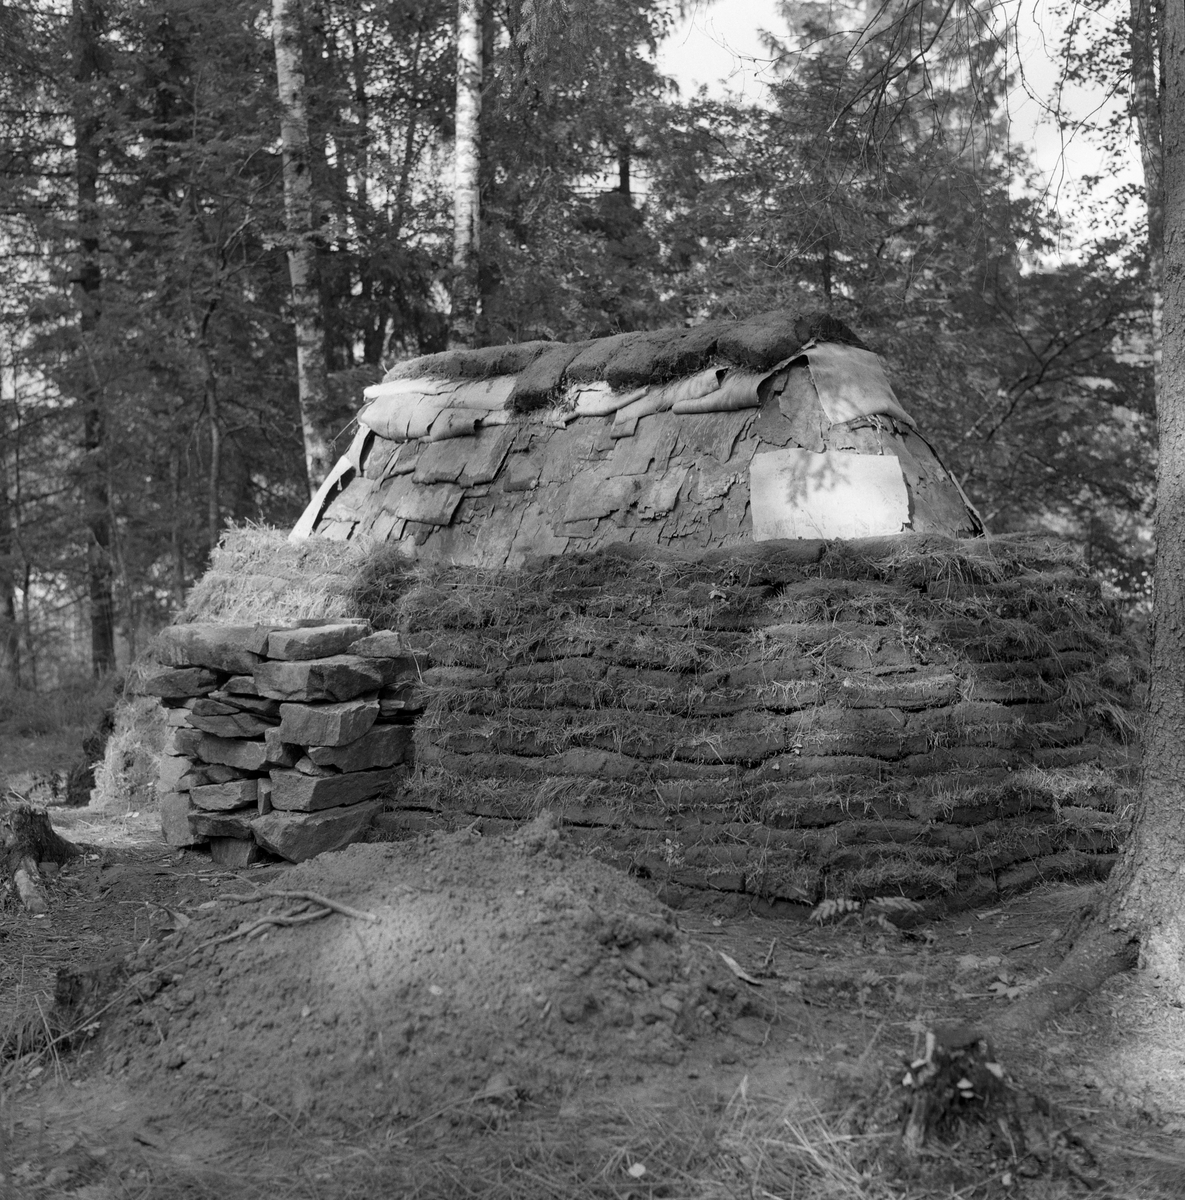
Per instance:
x=521, y=1021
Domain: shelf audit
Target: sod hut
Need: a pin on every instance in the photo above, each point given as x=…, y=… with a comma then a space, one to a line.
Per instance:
x=710, y=597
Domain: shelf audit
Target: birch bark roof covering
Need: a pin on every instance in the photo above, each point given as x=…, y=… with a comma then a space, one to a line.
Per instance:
x=780, y=426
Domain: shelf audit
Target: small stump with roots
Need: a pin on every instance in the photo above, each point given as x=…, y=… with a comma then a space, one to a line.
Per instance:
x=26, y=839
x=956, y=1078
x=958, y=1091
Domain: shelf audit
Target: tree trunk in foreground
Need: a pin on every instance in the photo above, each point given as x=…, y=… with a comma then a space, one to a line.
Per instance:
x=1142, y=915
x=299, y=216
x=1149, y=889
x=1145, y=104
x=84, y=36
x=466, y=168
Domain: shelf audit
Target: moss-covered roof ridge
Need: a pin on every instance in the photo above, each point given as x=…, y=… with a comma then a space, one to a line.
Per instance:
x=626, y=360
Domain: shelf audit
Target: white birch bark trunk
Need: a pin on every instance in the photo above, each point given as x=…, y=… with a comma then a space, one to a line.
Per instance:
x=467, y=161
x=299, y=216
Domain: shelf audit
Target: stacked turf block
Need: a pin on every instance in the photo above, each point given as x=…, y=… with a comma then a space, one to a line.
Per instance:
x=793, y=721
x=284, y=739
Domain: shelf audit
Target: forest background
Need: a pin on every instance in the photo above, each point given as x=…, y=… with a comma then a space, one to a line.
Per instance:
x=148, y=367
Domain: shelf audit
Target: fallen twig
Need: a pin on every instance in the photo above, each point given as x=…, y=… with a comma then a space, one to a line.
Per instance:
x=736, y=968
x=312, y=897
x=768, y=960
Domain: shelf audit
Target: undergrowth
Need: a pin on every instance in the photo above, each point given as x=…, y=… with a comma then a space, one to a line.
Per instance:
x=76, y=705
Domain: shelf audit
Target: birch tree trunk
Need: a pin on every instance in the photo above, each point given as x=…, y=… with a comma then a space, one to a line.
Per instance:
x=10, y=637
x=300, y=219
x=466, y=175
x=84, y=38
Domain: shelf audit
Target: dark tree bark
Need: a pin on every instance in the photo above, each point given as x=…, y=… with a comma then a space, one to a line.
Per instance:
x=1141, y=918
x=177, y=532
x=1146, y=19
x=1149, y=888
x=87, y=121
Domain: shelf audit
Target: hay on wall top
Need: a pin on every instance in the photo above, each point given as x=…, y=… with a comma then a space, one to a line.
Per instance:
x=781, y=426
x=258, y=575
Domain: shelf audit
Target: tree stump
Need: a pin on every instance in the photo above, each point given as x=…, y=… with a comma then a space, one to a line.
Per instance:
x=957, y=1076
x=26, y=839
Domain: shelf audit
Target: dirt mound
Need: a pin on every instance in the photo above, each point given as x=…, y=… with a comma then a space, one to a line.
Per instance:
x=497, y=968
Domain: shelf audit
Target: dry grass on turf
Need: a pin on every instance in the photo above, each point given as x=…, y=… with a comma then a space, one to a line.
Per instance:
x=738, y=1147
x=257, y=574
x=619, y=581
x=125, y=781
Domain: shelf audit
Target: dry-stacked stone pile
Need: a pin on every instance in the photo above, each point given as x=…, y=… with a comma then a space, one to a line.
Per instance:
x=793, y=720
x=280, y=738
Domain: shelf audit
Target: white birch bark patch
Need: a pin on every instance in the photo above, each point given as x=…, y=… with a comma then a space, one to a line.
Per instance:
x=801, y=494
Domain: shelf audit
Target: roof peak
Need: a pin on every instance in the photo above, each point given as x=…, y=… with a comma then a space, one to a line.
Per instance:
x=626, y=360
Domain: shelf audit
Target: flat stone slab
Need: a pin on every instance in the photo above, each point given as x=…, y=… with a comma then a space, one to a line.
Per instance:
x=320, y=641
x=222, y=797
x=223, y=825
x=306, y=766
x=386, y=643
x=382, y=746
x=240, y=685
x=175, y=809
x=341, y=677
x=173, y=768
x=295, y=792
x=234, y=852
x=198, y=777
x=183, y=741
x=178, y=683
x=238, y=702
x=327, y=724
x=301, y=836
x=233, y=648
x=233, y=724
x=279, y=753
x=231, y=752
x=245, y=755
x=220, y=773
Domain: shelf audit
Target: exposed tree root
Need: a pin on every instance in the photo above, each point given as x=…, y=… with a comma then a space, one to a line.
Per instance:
x=1097, y=955
x=959, y=1076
